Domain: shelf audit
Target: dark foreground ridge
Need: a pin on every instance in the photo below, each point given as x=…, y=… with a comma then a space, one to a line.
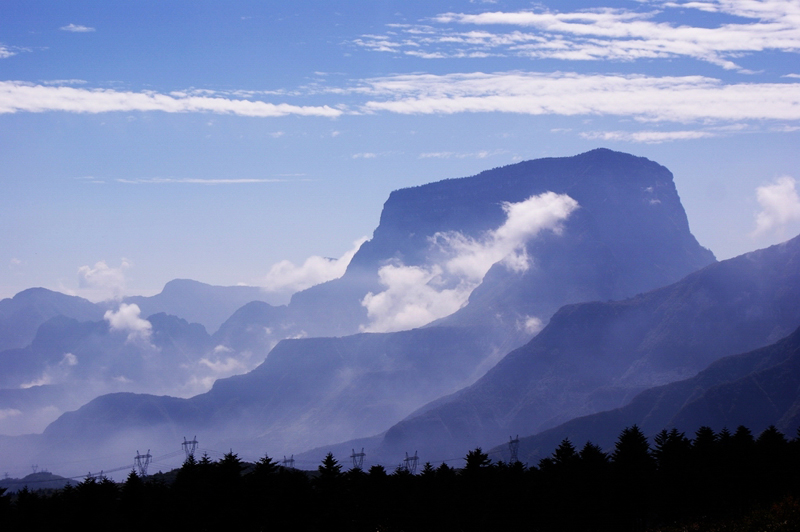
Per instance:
x=715, y=481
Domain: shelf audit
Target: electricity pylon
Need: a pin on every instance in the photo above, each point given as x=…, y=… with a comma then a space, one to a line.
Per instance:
x=513, y=449
x=142, y=461
x=358, y=458
x=410, y=463
x=189, y=447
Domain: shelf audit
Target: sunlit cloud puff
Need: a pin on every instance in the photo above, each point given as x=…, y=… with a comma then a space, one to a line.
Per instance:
x=602, y=34
x=126, y=319
x=780, y=205
x=285, y=276
x=417, y=295
x=17, y=96
x=645, y=98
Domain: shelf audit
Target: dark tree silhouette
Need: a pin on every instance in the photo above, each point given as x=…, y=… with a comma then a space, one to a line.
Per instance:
x=476, y=460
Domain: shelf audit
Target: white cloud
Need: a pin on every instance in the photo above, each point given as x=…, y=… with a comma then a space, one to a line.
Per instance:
x=530, y=324
x=17, y=96
x=365, y=155
x=603, y=33
x=6, y=52
x=126, y=318
x=780, y=205
x=285, y=276
x=646, y=98
x=103, y=281
x=416, y=295
x=76, y=28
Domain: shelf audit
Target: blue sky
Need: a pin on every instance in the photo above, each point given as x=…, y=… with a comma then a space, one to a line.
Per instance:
x=146, y=141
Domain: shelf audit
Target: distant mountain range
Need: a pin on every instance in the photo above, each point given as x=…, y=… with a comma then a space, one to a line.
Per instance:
x=625, y=233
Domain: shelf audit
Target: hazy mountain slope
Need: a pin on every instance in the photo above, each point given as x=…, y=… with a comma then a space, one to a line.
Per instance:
x=71, y=362
x=198, y=302
x=596, y=356
x=629, y=234
x=755, y=389
x=21, y=315
x=306, y=392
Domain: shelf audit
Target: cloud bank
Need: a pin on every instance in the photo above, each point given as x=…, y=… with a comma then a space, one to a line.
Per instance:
x=17, y=96
x=287, y=277
x=602, y=34
x=417, y=295
x=780, y=205
x=645, y=98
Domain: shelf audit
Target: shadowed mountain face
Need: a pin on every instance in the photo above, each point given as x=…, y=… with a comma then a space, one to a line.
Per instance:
x=628, y=235
x=755, y=389
x=596, y=356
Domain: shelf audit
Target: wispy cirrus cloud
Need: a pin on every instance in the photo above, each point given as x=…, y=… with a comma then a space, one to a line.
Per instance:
x=77, y=28
x=601, y=34
x=647, y=137
x=197, y=181
x=482, y=154
x=17, y=96
x=644, y=98
x=6, y=52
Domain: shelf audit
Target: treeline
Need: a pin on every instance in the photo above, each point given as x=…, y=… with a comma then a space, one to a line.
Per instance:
x=637, y=486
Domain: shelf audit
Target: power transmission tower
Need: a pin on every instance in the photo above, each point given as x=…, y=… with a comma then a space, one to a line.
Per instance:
x=35, y=468
x=189, y=447
x=410, y=463
x=513, y=449
x=142, y=461
x=358, y=458
x=288, y=462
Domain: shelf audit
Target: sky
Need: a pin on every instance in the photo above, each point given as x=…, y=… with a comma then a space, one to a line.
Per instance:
x=252, y=142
